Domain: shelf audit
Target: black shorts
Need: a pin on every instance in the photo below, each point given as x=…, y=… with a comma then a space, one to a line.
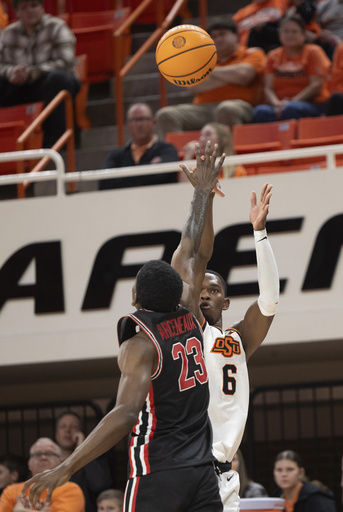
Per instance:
x=193, y=489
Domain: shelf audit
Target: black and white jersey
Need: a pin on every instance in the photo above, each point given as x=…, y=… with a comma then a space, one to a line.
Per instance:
x=173, y=429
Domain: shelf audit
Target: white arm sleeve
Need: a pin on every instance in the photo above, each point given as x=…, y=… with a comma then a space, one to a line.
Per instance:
x=267, y=273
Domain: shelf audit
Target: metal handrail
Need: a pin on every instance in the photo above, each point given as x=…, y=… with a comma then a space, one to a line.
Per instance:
x=82, y=176
x=66, y=138
x=34, y=154
x=121, y=71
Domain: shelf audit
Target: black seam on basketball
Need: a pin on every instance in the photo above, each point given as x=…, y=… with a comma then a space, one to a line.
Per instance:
x=190, y=74
x=186, y=51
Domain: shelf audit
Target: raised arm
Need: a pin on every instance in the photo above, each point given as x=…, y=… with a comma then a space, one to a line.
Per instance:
x=137, y=359
x=195, y=248
x=259, y=316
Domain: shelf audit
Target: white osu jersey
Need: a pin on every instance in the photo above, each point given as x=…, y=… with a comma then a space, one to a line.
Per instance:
x=229, y=389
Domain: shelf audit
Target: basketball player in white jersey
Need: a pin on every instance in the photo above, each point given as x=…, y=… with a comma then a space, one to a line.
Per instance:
x=227, y=351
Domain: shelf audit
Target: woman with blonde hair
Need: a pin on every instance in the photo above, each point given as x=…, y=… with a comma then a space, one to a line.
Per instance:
x=220, y=134
x=248, y=488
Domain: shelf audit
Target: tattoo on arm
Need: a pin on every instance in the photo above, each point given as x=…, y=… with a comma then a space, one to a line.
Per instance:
x=197, y=218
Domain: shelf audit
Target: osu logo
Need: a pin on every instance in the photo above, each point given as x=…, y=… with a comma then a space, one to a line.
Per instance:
x=227, y=346
x=179, y=42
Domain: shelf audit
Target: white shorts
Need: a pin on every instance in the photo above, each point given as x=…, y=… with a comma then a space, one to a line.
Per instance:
x=229, y=490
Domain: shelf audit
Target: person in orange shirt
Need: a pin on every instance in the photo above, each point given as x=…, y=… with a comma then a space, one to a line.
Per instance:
x=228, y=95
x=296, y=79
x=335, y=103
x=44, y=454
x=3, y=17
x=262, y=16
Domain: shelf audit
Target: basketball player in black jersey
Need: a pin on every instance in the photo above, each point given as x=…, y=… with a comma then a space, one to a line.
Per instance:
x=163, y=391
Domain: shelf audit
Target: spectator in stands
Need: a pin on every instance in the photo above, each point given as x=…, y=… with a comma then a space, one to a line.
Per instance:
x=296, y=79
x=258, y=22
x=335, y=103
x=248, y=488
x=13, y=469
x=3, y=17
x=299, y=495
x=36, y=62
x=307, y=9
x=95, y=476
x=228, y=95
x=44, y=454
x=266, y=35
x=144, y=148
x=330, y=19
x=110, y=500
x=219, y=134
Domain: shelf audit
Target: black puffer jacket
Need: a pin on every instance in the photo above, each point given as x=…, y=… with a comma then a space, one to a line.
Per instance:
x=314, y=499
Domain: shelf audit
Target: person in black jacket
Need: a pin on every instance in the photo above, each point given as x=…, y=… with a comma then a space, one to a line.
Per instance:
x=144, y=148
x=95, y=476
x=300, y=495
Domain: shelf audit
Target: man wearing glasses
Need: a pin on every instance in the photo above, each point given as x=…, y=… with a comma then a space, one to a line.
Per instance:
x=143, y=148
x=44, y=454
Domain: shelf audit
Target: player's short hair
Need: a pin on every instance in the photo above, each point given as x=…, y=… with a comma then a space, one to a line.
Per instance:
x=226, y=23
x=221, y=279
x=16, y=463
x=158, y=286
x=16, y=3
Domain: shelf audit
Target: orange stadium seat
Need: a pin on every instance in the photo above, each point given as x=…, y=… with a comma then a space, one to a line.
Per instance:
x=254, y=138
x=289, y=168
x=9, y=133
x=113, y=17
x=318, y=131
x=261, y=137
x=97, y=42
x=180, y=139
x=26, y=113
x=72, y=6
x=14, y=121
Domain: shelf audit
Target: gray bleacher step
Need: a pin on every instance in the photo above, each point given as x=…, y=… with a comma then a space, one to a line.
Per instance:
x=146, y=64
x=103, y=112
x=92, y=158
x=98, y=137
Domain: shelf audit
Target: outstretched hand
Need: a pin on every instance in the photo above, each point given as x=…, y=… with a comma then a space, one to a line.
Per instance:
x=49, y=479
x=205, y=175
x=259, y=210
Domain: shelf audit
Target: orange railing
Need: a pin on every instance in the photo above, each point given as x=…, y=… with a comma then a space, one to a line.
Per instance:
x=66, y=138
x=121, y=70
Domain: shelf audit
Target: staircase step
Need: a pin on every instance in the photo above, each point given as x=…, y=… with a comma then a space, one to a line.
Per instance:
x=102, y=112
x=98, y=137
x=91, y=159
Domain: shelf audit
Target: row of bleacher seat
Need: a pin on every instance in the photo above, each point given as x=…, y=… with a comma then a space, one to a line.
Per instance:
x=247, y=138
x=94, y=32
x=292, y=134
x=15, y=120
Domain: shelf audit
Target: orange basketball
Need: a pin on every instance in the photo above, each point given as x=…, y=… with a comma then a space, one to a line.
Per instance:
x=186, y=55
